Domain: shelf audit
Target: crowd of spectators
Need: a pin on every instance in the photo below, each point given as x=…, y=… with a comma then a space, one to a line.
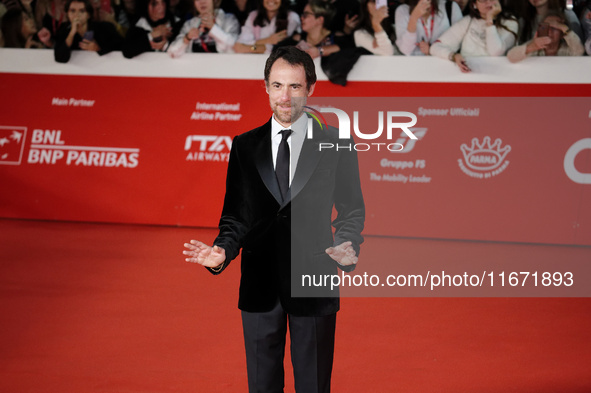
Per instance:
x=338, y=29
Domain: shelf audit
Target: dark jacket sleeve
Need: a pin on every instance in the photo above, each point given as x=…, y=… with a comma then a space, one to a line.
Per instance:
x=344, y=41
x=136, y=42
x=232, y=225
x=349, y=203
x=61, y=50
x=107, y=37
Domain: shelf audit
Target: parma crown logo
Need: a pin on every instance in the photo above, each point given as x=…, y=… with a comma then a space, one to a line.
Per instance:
x=484, y=159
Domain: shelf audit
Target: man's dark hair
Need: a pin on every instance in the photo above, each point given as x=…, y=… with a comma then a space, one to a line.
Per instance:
x=295, y=57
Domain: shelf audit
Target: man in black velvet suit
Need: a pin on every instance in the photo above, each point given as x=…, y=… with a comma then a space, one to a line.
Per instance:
x=280, y=192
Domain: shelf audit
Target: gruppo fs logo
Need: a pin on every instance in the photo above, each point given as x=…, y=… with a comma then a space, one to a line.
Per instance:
x=483, y=160
x=409, y=143
x=389, y=117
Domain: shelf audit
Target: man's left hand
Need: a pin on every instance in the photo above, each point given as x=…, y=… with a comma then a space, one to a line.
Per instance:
x=344, y=254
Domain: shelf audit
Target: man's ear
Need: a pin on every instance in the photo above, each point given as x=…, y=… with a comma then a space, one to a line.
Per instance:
x=311, y=90
x=267, y=87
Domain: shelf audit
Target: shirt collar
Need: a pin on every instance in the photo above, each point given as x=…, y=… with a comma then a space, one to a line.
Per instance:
x=299, y=127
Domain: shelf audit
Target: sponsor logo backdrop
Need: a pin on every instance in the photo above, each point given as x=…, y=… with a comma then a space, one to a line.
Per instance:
x=155, y=151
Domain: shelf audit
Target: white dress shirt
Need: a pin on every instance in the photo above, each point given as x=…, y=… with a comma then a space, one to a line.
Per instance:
x=295, y=141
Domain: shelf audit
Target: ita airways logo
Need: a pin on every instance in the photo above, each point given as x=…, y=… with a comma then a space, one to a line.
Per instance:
x=483, y=160
x=316, y=115
x=12, y=144
x=215, y=148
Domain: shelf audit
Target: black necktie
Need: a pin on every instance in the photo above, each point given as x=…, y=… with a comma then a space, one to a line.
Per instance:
x=282, y=164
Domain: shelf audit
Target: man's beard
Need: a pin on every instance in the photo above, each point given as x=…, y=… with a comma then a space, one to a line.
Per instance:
x=288, y=117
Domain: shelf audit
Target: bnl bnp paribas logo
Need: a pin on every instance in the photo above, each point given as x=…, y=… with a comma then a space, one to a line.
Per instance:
x=12, y=144
x=48, y=148
x=392, y=130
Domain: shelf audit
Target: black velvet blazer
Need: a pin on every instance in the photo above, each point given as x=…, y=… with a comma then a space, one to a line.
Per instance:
x=283, y=240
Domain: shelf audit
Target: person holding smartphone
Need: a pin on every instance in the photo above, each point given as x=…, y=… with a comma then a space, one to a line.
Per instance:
x=211, y=30
x=316, y=38
x=535, y=12
x=154, y=31
x=487, y=31
x=271, y=23
x=553, y=38
x=375, y=32
x=82, y=33
x=419, y=23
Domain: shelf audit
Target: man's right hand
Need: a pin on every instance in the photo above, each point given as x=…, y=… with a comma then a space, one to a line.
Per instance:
x=204, y=255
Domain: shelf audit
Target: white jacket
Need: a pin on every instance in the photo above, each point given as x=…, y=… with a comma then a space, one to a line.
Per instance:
x=407, y=41
x=474, y=38
x=365, y=40
x=571, y=46
x=251, y=33
x=224, y=33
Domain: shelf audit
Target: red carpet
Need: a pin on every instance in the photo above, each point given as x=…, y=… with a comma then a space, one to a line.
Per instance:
x=114, y=308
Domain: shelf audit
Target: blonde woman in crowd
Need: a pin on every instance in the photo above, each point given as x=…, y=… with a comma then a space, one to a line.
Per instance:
x=316, y=38
x=419, y=23
x=487, y=31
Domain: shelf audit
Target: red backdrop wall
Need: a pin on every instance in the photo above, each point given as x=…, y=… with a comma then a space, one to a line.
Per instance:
x=154, y=150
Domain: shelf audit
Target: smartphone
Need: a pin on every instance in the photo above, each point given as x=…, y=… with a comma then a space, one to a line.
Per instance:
x=280, y=25
x=381, y=3
x=89, y=35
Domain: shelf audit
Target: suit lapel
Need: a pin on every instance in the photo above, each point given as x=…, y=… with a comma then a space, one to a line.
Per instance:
x=264, y=161
x=308, y=160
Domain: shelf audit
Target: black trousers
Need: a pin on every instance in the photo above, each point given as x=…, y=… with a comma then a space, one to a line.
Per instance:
x=312, y=350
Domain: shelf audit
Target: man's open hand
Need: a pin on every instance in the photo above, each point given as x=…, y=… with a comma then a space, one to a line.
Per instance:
x=344, y=254
x=204, y=255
